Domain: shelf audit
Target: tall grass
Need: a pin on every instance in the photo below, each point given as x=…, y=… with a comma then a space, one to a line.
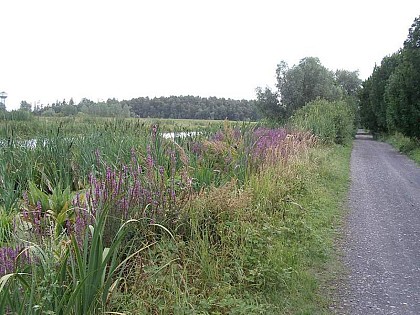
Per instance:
x=406, y=145
x=128, y=221
x=248, y=250
x=62, y=276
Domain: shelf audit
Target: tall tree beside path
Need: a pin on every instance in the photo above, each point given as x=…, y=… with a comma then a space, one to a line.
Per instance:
x=349, y=81
x=390, y=98
x=303, y=83
x=403, y=91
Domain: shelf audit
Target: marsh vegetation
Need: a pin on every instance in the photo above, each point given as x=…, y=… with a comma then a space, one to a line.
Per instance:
x=110, y=215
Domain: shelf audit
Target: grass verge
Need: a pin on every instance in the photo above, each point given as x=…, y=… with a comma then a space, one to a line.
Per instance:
x=252, y=226
x=405, y=145
x=267, y=248
x=311, y=255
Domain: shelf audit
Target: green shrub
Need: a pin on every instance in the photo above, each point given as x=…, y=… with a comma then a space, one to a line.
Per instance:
x=406, y=145
x=402, y=143
x=332, y=122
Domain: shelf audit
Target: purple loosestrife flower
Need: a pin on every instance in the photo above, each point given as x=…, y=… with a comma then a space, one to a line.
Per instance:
x=36, y=219
x=125, y=205
x=82, y=221
x=154, y=130
x=78, y=202
x=218, y=136
x=134, y=190
x=197, y=148
x=149, y=160
x=161, y=171
x=173, y=171
x=98, y=155
x=267, y=140
x=97, y=192
x=11, y=257
x=108, y=174
x=150, y=167
x=237, y=134
x=25, y=214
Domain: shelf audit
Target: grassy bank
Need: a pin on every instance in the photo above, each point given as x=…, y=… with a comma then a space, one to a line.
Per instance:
x=405, y=145
x=266, y=248
x=305, y=253
x=312, y=256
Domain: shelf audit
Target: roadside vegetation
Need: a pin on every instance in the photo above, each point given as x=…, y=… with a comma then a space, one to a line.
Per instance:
x=390, y=97
x=108, y=215
x=406, y=145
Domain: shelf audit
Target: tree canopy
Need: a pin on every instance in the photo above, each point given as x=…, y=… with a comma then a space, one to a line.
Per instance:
x=303, y=83
x=176, y=107
x=24, y=105
x=390, y=99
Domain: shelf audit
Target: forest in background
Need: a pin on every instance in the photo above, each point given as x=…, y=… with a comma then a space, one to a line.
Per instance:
x=173, y=107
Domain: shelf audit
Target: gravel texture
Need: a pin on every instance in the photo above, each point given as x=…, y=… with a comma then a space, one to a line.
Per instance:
x=382, y=233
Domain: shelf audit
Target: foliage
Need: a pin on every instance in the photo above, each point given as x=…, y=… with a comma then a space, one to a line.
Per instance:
x=303, y=83
x=269, y=106
x=194, y=107
x=57, y=276
x=175, y=107
x=16, y=115
x=24, y=105
x=372, y=102
x=249, y=250
x=332, y=122
x=349, y=81
x=390, y=99
x=405, y=145
x=6, y=226
x=231, y=219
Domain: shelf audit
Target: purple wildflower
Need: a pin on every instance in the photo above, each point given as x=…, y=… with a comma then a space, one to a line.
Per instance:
x=12, y=257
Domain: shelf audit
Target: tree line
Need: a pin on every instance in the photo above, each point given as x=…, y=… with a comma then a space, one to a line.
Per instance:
x=296, y=86
x=390, y=98
x=173, y=107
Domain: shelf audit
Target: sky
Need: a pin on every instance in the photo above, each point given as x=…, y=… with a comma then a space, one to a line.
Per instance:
x=98, y=49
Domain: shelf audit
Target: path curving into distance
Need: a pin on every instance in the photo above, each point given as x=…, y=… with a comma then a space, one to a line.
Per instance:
x=382, y=234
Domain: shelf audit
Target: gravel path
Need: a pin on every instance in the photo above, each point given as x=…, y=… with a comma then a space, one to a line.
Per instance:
x=382, y=241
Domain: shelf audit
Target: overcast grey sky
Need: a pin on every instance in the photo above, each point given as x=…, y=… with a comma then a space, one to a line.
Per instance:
x=99, y=49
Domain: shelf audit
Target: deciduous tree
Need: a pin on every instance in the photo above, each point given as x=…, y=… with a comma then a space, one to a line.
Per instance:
x=24, y=105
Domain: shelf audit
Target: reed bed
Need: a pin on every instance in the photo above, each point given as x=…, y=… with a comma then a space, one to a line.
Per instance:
x=112, y=216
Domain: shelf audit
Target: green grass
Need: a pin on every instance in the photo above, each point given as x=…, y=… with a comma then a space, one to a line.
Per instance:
x=266, y=248
x=408, y=146
x=81, y=125
x=307, y=251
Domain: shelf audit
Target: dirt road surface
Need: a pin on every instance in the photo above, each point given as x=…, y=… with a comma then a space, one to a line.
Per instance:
x=382, y=234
